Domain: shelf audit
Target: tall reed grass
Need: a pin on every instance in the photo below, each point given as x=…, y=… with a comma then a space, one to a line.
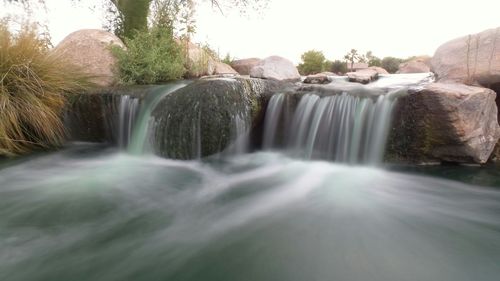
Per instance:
x=34, y=85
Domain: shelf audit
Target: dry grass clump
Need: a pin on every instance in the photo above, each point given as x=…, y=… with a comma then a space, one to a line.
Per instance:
x=34, y=84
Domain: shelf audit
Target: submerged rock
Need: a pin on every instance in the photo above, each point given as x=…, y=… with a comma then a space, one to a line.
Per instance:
x=363, y=76
x=275, y=68
x=472, y=59
x=90, y=50
x=445, y=122
x=209, y=115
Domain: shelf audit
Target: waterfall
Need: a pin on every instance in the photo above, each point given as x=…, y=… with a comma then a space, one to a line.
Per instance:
x=127, y=114
x=139, y=141
x=134, y=116
x=343, y=128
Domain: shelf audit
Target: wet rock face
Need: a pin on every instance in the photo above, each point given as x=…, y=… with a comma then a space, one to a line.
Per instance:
x=205, y=117
x=88, y=117
x=444, y=122
x=94, y=117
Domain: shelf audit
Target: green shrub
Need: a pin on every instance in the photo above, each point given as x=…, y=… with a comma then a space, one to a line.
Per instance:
x=34, y=83
x=338, y=66
x=312, y=62
x=151, y=57
x=227, y=59
x=391, y=64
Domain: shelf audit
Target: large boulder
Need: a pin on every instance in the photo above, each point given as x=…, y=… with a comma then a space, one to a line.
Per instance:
x=209, y=115
x=90, y=50
x=275, y=68
x=472, y=59
x=418, y=65
x=224, y=69
x=244, y=66
x=199, y=61
x=379, y=70
x=363, y=76
x=445, y=122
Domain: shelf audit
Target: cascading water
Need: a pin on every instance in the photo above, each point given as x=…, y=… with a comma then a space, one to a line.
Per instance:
x=343, y=127
x=211, y=117
x=89, y=212
x=127, y=114
x=134, y=117
x=349, y=127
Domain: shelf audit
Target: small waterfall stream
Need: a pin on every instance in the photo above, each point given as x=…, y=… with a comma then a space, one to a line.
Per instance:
x=135, y=116
x=129, y=107
x=349, y=125
x=342, y=128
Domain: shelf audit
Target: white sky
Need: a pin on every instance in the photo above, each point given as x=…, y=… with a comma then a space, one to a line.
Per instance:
x=288, y=28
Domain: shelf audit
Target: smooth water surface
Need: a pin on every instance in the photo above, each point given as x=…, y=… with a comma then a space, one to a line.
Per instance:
x=93, y=213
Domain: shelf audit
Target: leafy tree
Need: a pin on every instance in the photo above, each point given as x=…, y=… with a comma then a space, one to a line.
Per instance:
x=391, y=64
x=312, y=62
x=131, y=15
x=134, y=14
x=338, y=66
x=352, y=57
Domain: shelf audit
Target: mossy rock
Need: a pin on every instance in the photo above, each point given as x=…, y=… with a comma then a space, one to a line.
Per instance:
x=204, y=117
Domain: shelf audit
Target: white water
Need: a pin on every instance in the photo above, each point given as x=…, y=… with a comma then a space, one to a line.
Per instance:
x=127, y=113
x=134, y=118
x=91, y=213
x=94, y=213
x=342, y=128
x=351, y=127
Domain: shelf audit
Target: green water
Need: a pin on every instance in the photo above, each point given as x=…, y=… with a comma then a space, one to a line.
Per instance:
x=92, y=213
x=487, y=175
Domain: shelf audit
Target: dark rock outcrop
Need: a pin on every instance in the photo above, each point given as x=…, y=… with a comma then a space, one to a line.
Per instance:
x=205, y=117
x=444, y=122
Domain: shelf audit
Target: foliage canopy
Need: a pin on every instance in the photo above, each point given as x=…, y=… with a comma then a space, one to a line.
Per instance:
x=312, y=62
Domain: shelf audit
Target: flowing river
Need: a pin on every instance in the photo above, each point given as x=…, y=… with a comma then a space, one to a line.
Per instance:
x=93, y=213
x=317, y=204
